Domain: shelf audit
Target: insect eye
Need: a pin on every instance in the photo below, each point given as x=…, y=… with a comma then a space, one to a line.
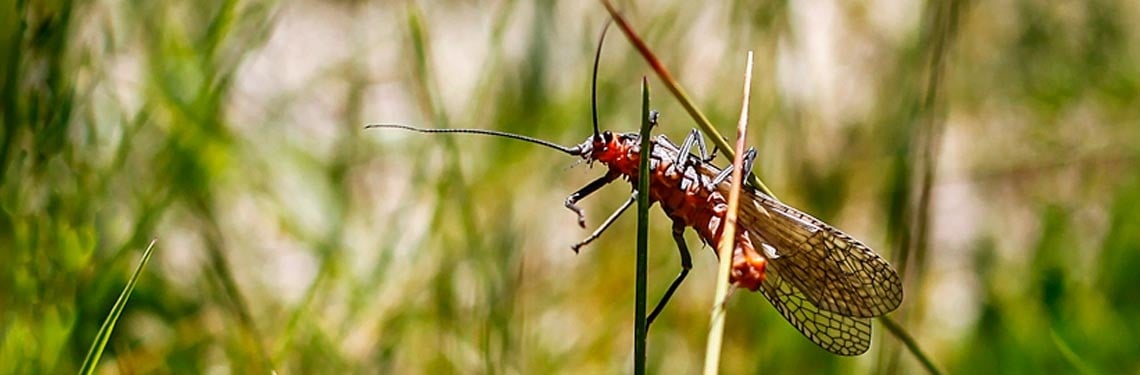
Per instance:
x=607, y=136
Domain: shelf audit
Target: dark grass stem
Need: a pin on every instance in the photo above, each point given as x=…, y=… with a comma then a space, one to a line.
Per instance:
x=927, y=140
x=640, y=328
x=104, y=334
x=901, y=334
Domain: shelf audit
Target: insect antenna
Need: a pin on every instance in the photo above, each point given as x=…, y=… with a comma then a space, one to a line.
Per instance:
x=594, y=81
x=574, y=151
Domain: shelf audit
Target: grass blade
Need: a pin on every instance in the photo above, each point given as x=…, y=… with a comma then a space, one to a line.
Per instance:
x=108, y=326
x=724, y=249
x=901, y=334
x=640, y=329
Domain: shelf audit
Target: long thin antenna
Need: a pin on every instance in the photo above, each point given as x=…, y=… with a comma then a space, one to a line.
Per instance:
x=575, y=151
x=594, y=81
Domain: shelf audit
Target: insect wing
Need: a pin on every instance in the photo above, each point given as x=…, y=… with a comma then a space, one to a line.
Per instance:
x=833, y=271
x=836, y=333
x=825, y=283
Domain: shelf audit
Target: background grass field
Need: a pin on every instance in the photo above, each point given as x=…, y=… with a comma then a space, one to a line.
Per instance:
x=987, y=148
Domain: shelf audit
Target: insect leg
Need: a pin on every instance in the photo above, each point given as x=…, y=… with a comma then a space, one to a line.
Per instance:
x=609, y=221
x=686, y=264
x=749, y=158
x=687, y=146
x=731, y=290
x=712, y=155
x=695, y=138
x=705, y=155
x=572, y=200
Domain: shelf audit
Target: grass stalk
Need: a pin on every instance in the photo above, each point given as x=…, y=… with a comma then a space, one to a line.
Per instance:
x=901, y=334
x=724, y=250
x=104, y=334
x=915, y=239
x=640, y=327
x=679, y=92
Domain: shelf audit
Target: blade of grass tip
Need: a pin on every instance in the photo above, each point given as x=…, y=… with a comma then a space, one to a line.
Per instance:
x=640, y=329
x=679, y=92
x=716, y=327
x=108, y=326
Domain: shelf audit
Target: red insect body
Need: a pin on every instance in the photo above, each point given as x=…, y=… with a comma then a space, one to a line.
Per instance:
x=825, y=283
x=684, y=199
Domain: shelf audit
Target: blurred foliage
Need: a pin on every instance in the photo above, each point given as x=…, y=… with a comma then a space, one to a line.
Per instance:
x=988, y=148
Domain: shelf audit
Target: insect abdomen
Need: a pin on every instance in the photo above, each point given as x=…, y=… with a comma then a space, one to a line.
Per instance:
x=686, y=198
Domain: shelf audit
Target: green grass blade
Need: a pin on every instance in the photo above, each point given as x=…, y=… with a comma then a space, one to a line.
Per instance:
x=640, y=328
x=104, y=334
x=902, y=335
x=1070, y=355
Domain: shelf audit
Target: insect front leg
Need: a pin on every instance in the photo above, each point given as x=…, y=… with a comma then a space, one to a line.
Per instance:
x=572, y=200
x=607, y=223
x=686, y=265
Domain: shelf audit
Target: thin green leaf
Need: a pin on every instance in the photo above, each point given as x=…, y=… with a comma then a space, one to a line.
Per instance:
x=104, y=333
x=640, y=329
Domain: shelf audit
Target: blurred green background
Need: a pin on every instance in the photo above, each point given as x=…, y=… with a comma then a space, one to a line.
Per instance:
x=988, y=149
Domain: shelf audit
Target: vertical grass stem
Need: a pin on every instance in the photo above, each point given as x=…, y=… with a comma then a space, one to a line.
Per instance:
x=724, y=248
x=640, y=329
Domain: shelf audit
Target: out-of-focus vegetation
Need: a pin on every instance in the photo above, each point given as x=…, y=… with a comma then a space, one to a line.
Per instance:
x=989, y=149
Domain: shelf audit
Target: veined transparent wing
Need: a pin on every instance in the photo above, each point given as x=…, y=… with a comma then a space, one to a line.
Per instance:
x=825, y=283
x=839, y=334
x=833, y=271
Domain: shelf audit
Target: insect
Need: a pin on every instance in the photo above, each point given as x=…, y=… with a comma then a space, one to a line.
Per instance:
x=827, y=284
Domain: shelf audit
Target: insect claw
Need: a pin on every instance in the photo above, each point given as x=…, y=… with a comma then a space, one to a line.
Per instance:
x=732, y=288
x=572, y=200
x=606, y=224
x=577, y=210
